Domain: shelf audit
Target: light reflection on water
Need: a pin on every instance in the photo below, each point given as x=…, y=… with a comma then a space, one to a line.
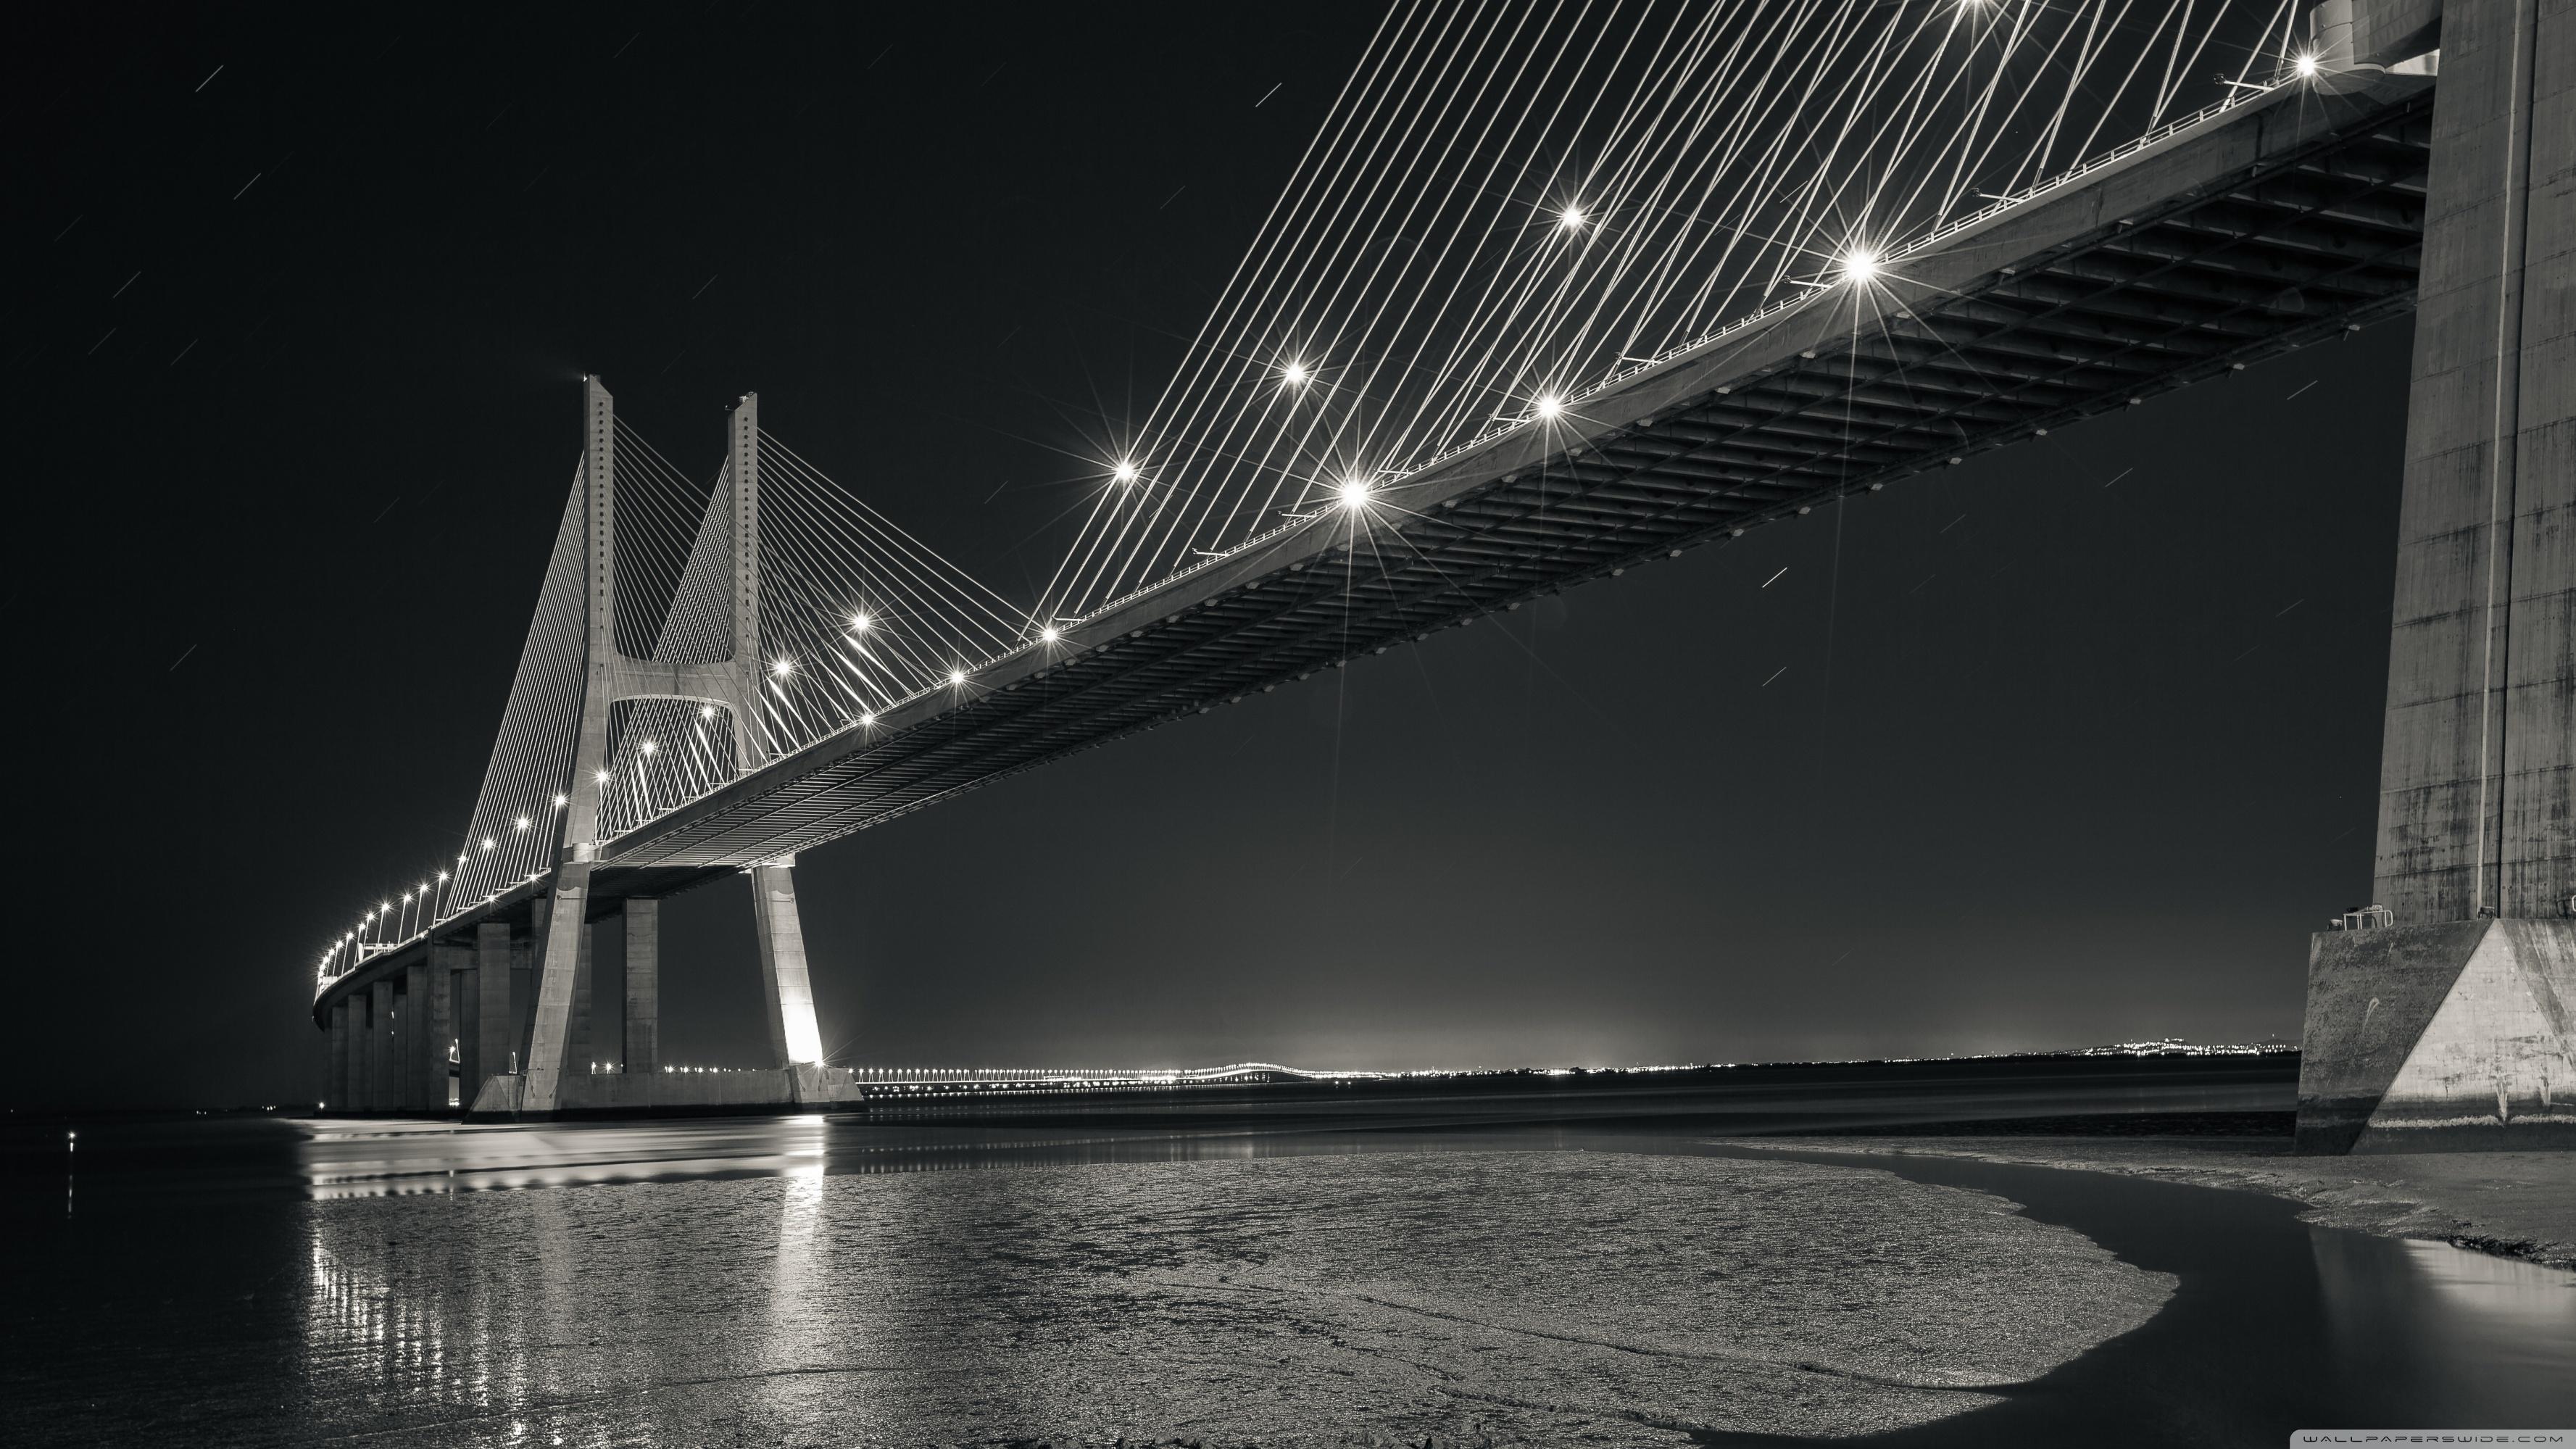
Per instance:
x=840, y=1278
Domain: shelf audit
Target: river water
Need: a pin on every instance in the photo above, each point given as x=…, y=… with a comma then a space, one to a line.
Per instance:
x=1382, y=1273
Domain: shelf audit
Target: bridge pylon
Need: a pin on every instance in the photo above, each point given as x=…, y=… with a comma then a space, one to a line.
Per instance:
x=2444, y=1015
x=611, y=676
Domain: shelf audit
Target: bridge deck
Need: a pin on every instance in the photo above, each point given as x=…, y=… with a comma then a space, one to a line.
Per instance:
x=2278, y=223
x=2275, y=225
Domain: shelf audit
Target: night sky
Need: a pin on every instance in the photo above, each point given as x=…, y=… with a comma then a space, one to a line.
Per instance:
x=2074, y=743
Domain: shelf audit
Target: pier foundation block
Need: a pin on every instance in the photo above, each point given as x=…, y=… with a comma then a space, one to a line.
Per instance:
x=2446, y=1037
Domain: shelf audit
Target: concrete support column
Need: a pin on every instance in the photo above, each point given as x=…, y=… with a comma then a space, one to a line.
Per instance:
x=2478, y=780
x=565, y=920
x=465, y=1000
x=643, y=917
x=523, y=992
x=380, y=1044
x=353, y=1071
x=585, y=1042
x=335, y=1059
x=794, y=1037
x=412, y=1016
x=449, y=964
x=495, y=1021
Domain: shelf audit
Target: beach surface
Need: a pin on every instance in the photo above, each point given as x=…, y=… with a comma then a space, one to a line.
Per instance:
x=2513, y=1204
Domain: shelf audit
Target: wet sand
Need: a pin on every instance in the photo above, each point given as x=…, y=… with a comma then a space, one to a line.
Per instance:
x=1515, y=1297
x=2513, y=1204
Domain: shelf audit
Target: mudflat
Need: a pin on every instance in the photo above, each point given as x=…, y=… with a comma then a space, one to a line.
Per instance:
x=2515, y=1204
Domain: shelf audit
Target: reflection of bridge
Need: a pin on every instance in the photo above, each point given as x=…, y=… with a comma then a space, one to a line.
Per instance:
x=723, y=676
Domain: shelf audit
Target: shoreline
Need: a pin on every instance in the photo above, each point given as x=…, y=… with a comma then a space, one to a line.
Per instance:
x=2517, y=1205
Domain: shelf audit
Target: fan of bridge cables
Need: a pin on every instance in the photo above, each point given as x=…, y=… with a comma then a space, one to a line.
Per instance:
x=856, y=616
x=1509, y=203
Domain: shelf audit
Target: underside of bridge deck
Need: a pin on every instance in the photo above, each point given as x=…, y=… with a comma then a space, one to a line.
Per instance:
x=2284, y=226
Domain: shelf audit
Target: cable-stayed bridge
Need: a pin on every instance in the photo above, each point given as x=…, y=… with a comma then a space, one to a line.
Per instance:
x=1551, y=297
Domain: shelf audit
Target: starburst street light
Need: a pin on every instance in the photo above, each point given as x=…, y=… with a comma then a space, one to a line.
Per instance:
x=1549, y=406
x=602, y=776
x=649, y=746
x=1294, y=374
x=706, y=711
x=519, y=824
x=489, y=842
x=560, y=801
x=1354, y=492
x=2306, y=66
x=782, y=668
x=859, y=622
x=1125, y=472
x=1049, y=634
x=956, y=676
x=1572, y=219
x=1860, y=267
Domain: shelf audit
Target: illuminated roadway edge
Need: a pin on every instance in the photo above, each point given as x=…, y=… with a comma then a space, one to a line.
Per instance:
x=2277, y=222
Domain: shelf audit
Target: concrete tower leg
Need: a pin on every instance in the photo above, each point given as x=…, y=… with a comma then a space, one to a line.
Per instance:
x=565, y=920
x=2440, y=1028
x=794, y=1037
x=643, y=916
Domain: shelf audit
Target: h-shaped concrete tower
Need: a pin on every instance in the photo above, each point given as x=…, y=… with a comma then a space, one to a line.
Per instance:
x=610, y=675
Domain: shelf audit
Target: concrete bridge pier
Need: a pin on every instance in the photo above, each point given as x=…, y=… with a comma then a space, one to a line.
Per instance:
x=353, y=1064
x=641, y=923
x=495, y=1036
x=795, y=1039
x=451, y=972
x=584, y=1056
x=380, y=1046
x=335, y=1059
x=2445, y=1016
